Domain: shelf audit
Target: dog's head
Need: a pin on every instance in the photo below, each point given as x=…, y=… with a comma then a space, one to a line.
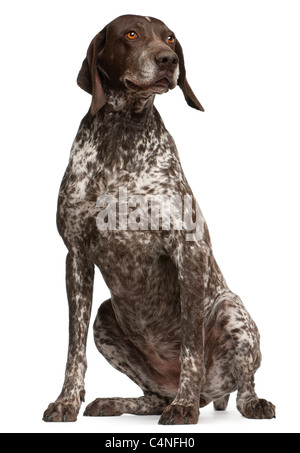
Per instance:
x=134, y=54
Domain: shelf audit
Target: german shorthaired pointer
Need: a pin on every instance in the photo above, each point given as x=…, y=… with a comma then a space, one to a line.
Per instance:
x=171, y=324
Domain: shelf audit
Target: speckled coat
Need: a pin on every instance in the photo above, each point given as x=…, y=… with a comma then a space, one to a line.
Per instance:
x=172, y=324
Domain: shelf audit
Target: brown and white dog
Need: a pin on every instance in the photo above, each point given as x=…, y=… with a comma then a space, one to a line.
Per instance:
x=172, y=325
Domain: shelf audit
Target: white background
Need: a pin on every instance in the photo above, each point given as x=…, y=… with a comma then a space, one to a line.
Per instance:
x=241, y=160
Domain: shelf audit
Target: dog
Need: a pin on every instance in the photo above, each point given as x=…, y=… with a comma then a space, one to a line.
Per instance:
x=171, y=325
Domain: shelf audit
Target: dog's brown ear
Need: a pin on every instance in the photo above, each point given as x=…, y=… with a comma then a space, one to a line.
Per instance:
x=88, y=78
x=183, y=83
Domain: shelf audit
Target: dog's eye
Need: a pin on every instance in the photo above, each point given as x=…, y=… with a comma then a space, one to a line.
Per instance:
x=131, y=35
x=171, y=39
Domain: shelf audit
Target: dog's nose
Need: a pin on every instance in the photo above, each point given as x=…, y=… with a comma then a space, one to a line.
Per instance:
x=166, y=60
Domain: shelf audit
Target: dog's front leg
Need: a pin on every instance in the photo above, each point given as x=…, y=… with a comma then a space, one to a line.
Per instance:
x=192, y=268
x=79, y=280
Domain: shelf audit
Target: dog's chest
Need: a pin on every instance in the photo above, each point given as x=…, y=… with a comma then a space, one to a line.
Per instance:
x=112, y=164
x=106, y=173
x=142, y=162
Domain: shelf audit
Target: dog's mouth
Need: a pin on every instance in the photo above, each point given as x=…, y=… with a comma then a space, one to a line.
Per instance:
x=159, y=86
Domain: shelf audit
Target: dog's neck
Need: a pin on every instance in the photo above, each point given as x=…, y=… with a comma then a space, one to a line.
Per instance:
x=128, y=102
x=124, y=126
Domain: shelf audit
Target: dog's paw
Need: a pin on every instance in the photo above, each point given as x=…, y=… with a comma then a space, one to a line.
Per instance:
x=61, y=412
x=177, y=414
x=103, y=407
x=259, y=409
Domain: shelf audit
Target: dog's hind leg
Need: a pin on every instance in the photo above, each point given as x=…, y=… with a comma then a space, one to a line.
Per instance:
x=122, y=355
x=145, y=405
x=222, y=403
